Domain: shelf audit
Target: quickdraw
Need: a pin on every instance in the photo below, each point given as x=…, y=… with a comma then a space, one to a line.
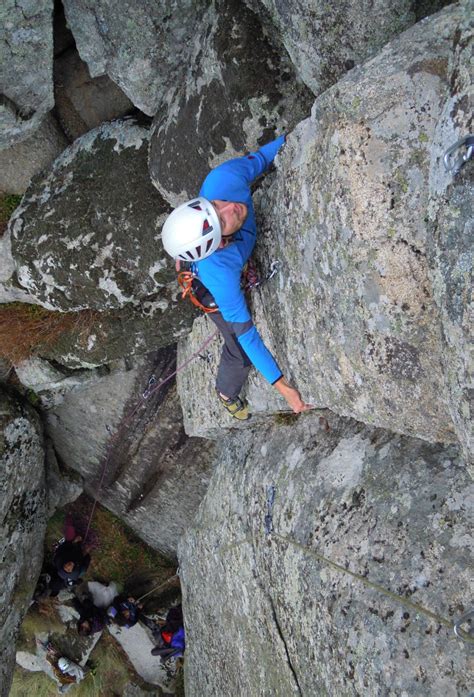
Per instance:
x=185, y=280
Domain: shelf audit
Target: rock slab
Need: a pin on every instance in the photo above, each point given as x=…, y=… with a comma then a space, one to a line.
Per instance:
x=23, y=518
x=26, y=57
x=325, y=40
x=352, y=314
x=143, y=48
x=155, y=475
x=238, y=92
x=283, y=506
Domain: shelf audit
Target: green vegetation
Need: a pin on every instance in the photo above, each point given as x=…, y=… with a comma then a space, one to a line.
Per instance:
x=8, y=203
x=26, y=684
x=110, y=672
x=117, y=555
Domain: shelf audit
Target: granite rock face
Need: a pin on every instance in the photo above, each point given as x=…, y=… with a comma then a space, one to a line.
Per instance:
x=21, y=162
x=155, y=475
x=325, y=40
x=85, y=234
x=451, y=228
x=352, y=314
x=392, y=510
x=26, y=57
x=239, y=91
x=22, y=521
x=144, y=49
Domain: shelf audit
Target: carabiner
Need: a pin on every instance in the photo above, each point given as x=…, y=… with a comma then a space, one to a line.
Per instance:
x=452, y=164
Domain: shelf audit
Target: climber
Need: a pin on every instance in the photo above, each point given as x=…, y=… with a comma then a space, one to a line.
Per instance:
x=70, y=560
x=216, y=233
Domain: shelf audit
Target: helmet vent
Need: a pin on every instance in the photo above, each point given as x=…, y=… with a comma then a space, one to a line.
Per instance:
x=209, y=245
x=206, y=227
x=195, y=205
x=198, y=251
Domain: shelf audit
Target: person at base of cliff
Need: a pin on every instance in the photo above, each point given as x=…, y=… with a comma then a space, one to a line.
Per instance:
x=216, y=234
x=169, y=637
x=125, y=611
x=70, y=561
x=91, y=618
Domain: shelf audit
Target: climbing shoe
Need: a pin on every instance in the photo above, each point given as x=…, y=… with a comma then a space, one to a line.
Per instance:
x=238, y=408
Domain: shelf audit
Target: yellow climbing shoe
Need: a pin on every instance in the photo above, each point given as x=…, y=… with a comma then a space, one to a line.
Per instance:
x=238, y=408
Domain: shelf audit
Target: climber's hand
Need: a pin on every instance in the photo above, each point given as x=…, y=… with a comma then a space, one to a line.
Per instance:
x=292, y=396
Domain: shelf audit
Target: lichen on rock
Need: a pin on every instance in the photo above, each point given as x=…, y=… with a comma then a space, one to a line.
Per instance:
x=392, y=510
x=352, y=313
x=238, y=92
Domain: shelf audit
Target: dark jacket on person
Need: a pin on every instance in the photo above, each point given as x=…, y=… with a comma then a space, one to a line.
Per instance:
x=71, y=551
x=97, y=617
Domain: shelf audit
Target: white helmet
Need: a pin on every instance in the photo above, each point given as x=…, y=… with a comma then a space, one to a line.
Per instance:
x=192, y=231
x=64, y=664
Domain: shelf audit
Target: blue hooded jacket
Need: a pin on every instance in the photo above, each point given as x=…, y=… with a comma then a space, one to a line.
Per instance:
x=221, y=271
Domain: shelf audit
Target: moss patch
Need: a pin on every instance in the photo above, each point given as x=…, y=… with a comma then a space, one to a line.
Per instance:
x=8, y=203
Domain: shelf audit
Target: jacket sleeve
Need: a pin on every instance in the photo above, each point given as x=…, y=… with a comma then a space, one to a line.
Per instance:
x=231, y=302
x=231, y=180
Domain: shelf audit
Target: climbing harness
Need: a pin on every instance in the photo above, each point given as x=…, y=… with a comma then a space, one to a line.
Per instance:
x=187, y=281
x=192, y=288
x=453, y=164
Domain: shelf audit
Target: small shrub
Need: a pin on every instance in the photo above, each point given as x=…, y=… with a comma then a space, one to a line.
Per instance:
x=26, y=330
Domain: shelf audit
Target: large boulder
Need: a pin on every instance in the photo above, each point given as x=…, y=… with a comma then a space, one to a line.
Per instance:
x=22, y=521
x=155, y=477
x=451, y=229
x=352, y=313
x=239, y=90
x=86, y=233
x=316, y=559
x=26, y=57
x=325, y=40
x=143, y=46
x=22, y=161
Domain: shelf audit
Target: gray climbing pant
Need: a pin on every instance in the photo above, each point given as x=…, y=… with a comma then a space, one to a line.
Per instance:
x=235, y=365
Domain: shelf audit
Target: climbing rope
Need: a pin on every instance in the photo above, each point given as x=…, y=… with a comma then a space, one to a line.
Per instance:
x=157, y=588
x=456, y=627
x=145, y=396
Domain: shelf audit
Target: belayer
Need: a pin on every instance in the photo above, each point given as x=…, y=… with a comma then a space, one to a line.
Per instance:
x=70, y=562
x=215, y=233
